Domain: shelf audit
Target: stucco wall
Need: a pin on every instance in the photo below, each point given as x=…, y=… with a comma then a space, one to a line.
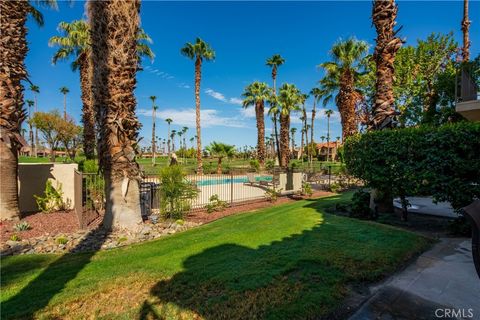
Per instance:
x=33, y=177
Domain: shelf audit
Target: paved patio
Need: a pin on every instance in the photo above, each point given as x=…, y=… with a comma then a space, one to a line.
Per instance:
x=440, y=284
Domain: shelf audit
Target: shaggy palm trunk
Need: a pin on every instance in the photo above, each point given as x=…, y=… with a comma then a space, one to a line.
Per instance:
x=302, y=144
x=387, y=45
x=306, y=130
x=293, y=142
x=88, y=115
x=346, y=101
x=114, y=26
x=36, y=129
x=168, y=142
x=284, y=140
x=219, y=165
x=154, y=147
x=260, y=114
x=277, y=140
x=465, y=28
x=198, y=78
x=328, y=137
x=65, y=106
x=13, y=46
x=314, y=111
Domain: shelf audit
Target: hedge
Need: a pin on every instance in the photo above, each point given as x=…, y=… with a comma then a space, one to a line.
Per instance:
x=443, y=162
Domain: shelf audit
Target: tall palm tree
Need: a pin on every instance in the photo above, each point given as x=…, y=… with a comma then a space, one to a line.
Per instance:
x=316, y=93
x=30, y=104
x=198, y=51
x=303, y=98
x=387, y=44
x=323, y=138
x=289, y=100
x=114, y=27
x=168, y=121
x=274, y=62
x=255, y=94
x=292, y=132
x=64, y=91
x=466, y=37
x=220, y=150
x=36, y=90
x=172, y=136
x=328, y=113
x=74, y=42
x=154, y=114
x=184, y=134
x=343, y=80
x=14, y=46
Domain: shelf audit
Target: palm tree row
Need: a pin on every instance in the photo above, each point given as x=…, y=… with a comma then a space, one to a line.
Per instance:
x=74, y=42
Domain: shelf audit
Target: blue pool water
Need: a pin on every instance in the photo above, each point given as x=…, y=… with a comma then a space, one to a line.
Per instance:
x=212, y=182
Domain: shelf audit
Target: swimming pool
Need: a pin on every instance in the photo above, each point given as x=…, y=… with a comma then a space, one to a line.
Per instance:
x=213, y=182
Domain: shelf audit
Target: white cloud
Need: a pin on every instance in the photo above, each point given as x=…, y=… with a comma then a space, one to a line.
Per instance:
x=216, y=95
x=236, y=101
x=186, y=117
x=221, y=97
x=183, y=85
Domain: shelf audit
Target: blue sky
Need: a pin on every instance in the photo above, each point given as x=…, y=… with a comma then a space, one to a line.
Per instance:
x=243, y=34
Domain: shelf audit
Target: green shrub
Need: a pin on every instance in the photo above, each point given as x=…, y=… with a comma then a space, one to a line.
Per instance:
x=335, y=187
x=270, y=164
x=215, y=204
x=271, y=194
x=52, y=199
x=180, y=222
x=176, y=192
x=255, y=165
x=61, y=240
x=443, y=162
x=307, y=189
x=15, y=237
x=88, y=166
x=360, y=205
x=22, y=226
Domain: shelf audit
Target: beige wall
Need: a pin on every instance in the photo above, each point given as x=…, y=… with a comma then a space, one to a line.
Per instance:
x=290, y=186
x=33, y=177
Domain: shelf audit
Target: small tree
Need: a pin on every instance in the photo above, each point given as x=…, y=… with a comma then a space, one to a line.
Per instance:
x=49, y=124
x=220, y=150
x=176, y=192
x=70, y=136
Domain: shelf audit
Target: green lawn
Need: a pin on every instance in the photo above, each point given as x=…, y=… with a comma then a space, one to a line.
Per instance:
x=289, y=261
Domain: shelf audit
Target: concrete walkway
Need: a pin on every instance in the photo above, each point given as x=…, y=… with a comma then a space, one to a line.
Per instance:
x=440, y=284
x=425, y=205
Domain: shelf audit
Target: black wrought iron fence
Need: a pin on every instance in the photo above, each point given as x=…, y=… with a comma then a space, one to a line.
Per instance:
x=89, y=197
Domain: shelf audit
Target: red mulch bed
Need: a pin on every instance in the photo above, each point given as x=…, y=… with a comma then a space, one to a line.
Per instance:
x=66, y=221
x=205, y=217
x=43, y=223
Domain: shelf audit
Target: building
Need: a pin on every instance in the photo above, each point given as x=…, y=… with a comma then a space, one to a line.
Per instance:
x=328, y=149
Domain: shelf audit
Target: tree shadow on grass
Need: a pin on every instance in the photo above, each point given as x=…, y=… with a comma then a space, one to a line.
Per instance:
x=287, y=279
x=37, y=294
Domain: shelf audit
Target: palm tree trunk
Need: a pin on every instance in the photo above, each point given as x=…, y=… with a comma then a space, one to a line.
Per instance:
x=302, y=144
x=387, y=44
x=198, y=78
x=36, y=129
x=314, y=111
x=465, y=28
x=153, y=137
x=284, y=140
x=114, y=27
x=219, y=165
x=260, y=115
x=168, y=140
x=65, y=106
x=277, y=142
x=88, y=115
x=328, y=138
x=12, y=71
x=306, y=130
